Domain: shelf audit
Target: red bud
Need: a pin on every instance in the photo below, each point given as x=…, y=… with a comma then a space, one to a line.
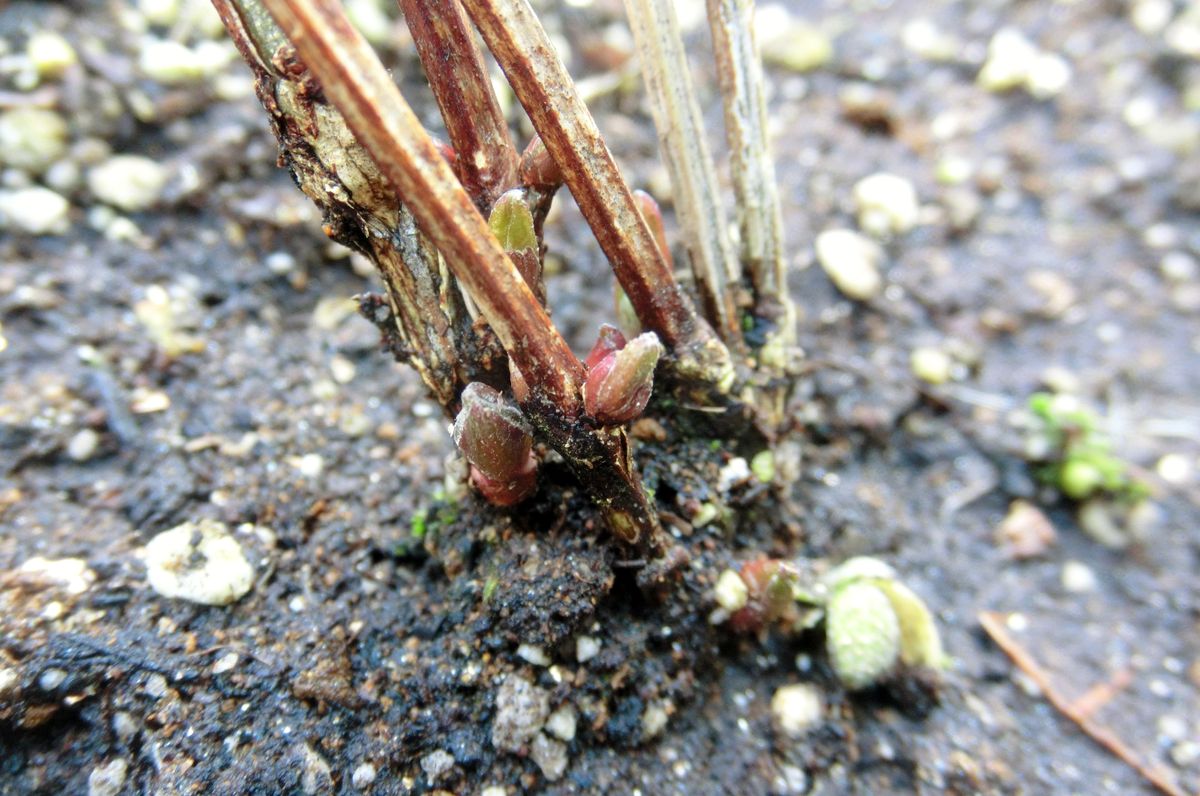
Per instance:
x=618, y=386
x=609, y=341
x=493, y=434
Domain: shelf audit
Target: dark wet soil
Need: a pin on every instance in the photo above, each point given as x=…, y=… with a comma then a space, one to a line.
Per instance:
x=365, y=647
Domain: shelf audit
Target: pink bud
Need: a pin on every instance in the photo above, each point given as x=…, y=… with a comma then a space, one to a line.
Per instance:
x=610, y=340
x=618, y=386
x=493, y=434
x=652, y=215
x=510, y=492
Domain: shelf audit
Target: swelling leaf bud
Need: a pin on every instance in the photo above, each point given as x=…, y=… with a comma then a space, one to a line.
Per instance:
x=492, y=433
x=609, y=341
x=512, y=223
x=618, y=386
x=862, y=634
x=652, y=215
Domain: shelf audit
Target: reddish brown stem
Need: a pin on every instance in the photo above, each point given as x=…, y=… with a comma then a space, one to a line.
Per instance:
x=486, y=160
x=524, y=51
x=357, y=84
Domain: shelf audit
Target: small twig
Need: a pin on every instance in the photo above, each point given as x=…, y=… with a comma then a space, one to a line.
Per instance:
x=485, y=158
x=357, y=84
x=540, y=81
x=993, y=625
x=739, y=73
x=685, y=151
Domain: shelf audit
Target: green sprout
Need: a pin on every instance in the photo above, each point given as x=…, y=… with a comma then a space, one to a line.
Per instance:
x=1078, y=457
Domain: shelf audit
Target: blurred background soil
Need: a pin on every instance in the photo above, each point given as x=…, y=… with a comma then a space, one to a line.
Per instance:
x=177, y=343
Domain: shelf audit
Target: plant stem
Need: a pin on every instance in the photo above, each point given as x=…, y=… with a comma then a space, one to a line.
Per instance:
x=739, y=72
x=524, y=51
x=693, y=174
x=357, y=84
x=362, y=212
x=485, y=158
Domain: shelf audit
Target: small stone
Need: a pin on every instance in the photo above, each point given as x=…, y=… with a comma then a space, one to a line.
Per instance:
x=561, y=723
x=10, y=683
x=363, y=776
x=1174, y=468
x=437, y=763
x=852, y=262
x=550, y=756
x=1078, y=578
x=124, y=726
x=332, y=310
x=1026, y=531
x=654, y=720
x=51, y=679
x=315, y=775
x=796, y=708
x=923, y=38
x=731, y=591
x=108, y=779
x=790, y=42
x=83, y=445
x=494, y=790
x=887, y=204
x=1048, y=76
x=128, y=182
x=32, y=139
x=35, y=211
x=170, y=63
x=733, y=474
x=310, y=465
x=342, y=369
x=586, y=648
x=50, y=54
x=199, y=562
x=931, y=365
x=1179, y=267
x=1010, y=58
x=225, y=663
x=1185, y=753
x=162, y=13
x=533, y=654
x=71, y=574
x=521, y=711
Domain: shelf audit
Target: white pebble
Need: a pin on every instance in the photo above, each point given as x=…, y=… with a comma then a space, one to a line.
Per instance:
x=109, y=779
x=550, y=756
x=50, y=54
x=199, y=562
x=931, y=365
x=1048, y=76
x=533, y=654
x=654, y=720
x=34, y=211
x=128, y=182
x=363, y=776
x=1174, y=468
x=561, y=723
x=1010, y=58
x=586, y=648
x=731, y=592
x=852, y=262
x=83, y=445
x=887, y=204
x=796, y=708
x=1078, y=578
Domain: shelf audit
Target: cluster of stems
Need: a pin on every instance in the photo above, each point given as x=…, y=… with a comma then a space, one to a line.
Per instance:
x=455, y=228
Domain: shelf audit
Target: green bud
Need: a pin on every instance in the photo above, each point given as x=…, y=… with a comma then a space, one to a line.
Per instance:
x=512, y=223
x=1079, y=479
x=920, y=642
x=862, y=634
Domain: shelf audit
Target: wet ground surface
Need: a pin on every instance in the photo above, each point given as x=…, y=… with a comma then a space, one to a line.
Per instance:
x=199, y=360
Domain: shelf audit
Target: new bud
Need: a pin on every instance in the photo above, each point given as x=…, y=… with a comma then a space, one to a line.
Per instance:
x=609, y=341
x=498, y=442
x=512, y=223
x=618, y=386
x=652, y=215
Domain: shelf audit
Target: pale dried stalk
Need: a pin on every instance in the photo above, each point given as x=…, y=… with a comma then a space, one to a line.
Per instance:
x=689, y=163
x=739, y=72
x=538, y=78
x=357, y=84
x=485, y=158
